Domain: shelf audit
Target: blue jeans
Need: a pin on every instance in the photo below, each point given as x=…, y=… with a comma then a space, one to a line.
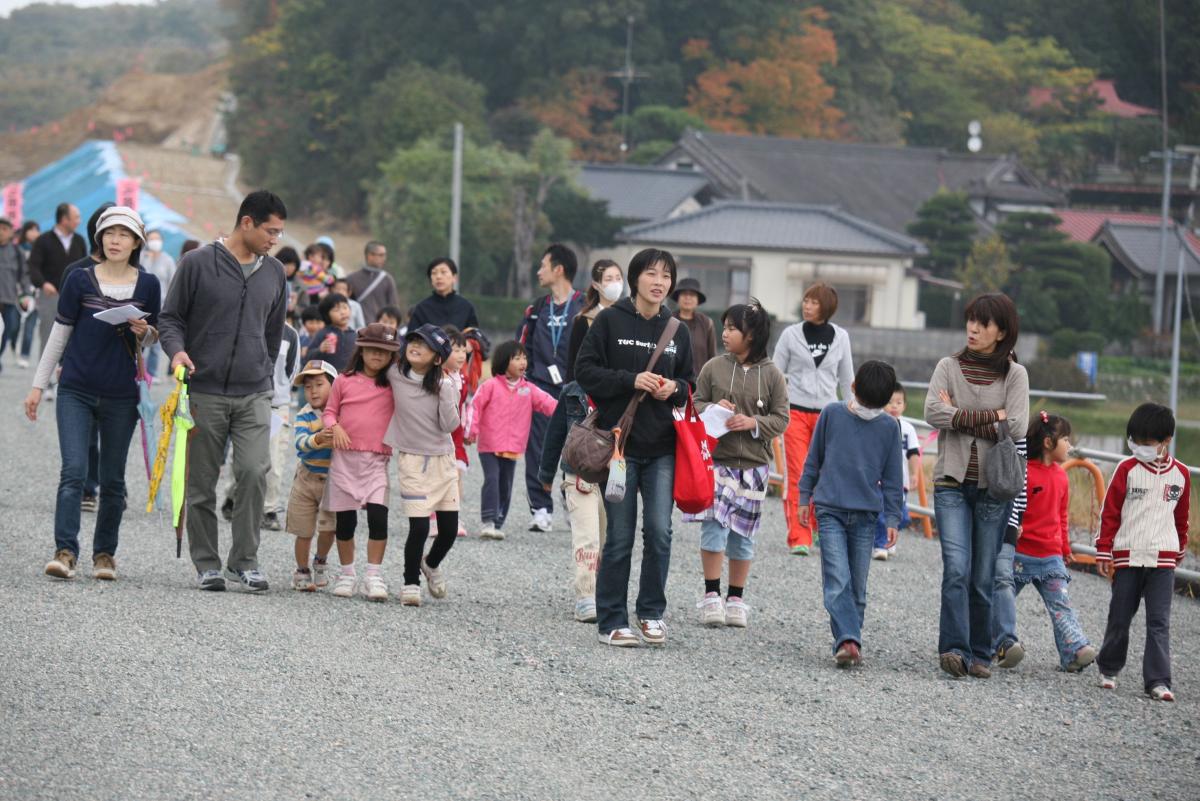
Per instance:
x=31, y=327
x=846, y=541
x=971, y=528
x=654, y=479
x=11, y=313
x=716, y=538
x=881, y=525
x=80, y=417
x=497, y=488
x=1004, y=600
x=1049, y=575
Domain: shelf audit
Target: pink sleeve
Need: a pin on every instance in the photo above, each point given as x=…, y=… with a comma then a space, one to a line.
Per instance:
x=479, y=407
x=333, y=406
x=543, y=401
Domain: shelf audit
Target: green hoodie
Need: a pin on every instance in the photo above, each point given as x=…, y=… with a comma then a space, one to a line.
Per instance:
x=758, y=390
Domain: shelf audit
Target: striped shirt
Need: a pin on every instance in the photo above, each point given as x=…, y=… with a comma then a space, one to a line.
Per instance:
x=1145, y=517
x=977, y=422
x=308, y=425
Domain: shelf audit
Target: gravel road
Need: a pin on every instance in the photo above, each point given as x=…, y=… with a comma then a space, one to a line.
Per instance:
x=148, y=688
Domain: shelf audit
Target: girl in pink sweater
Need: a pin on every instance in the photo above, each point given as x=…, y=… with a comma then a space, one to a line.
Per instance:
x=358, y=413
x=504, y=408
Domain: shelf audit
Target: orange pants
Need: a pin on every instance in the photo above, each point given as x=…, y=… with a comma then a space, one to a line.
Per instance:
x=796, y=440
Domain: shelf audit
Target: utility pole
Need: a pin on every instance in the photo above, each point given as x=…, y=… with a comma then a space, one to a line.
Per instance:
x=456, y=195
x=1167, y=166
x=1182, y=234
x=627, y=76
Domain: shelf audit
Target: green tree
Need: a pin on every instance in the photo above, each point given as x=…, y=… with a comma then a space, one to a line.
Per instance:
x=946, y=225
x=987, y=268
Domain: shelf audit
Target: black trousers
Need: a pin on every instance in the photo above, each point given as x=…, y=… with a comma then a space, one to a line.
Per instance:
x=1130, y=586
x=538, y=497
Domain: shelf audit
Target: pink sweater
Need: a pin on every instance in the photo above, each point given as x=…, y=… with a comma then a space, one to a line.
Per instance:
x=503, y=415
x=363, y=409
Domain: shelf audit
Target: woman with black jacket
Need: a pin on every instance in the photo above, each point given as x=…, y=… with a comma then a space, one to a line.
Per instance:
x=611, y=368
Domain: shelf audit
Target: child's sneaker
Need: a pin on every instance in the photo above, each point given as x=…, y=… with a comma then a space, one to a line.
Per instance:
x=302, y=580
x=1108, y=682
x=374, y=587
x=435, y=578
x=345, y=585
x=62, y=565
x=654, y=632
x=410, y=595
x=104, y=568
x=585, y=610
x=490, y=532
x=712, y=611
x=1161, y=692
x=1083, y=657
x=891, y=551
x=320, y=574
x=620, y=638
x=848, y=654
x=880, y=554
x=1011, y=654
x=737, y=612
x=799, y=550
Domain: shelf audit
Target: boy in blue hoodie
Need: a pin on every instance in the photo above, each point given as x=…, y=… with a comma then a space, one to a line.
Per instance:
x=855, y=451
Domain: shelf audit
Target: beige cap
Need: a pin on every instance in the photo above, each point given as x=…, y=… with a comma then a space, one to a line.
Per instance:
x=121, y=215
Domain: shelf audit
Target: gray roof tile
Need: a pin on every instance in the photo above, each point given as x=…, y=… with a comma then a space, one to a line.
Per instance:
x=1137, y=244
x=639, y=193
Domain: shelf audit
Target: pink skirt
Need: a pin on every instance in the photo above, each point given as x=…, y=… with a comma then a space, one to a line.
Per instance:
x=356, y=478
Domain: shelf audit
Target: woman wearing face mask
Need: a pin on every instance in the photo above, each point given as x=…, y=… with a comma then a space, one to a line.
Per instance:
x=969, y=394
x=608, y=284
x=158, y=263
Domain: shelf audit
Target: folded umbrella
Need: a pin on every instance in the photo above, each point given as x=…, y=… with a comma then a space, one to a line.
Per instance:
x=166, y=414
x=146, y=414
x=184, y=426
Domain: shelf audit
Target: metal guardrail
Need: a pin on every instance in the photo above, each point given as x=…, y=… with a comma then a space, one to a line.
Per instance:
x=1036, y=393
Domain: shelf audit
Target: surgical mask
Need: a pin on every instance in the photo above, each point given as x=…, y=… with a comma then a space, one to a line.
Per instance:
x=154, y=245
x=1143, y=453
x=612, y=292
x=864, y=413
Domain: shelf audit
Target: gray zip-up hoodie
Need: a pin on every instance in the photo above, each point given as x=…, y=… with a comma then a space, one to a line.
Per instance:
x=809, y=385
x=229, y=325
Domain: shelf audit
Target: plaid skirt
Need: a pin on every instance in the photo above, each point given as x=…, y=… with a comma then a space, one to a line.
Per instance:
x=738, y=499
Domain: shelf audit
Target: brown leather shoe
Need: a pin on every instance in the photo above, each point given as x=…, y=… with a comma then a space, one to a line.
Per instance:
x=62, y=565
x=979, y=670
x=104, y=568
x=953, y=664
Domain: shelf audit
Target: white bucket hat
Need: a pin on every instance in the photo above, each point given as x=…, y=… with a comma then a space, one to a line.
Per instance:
x=121, y=215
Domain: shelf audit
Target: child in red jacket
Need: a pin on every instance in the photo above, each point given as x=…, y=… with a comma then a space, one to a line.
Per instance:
x=504, y=408
x=1143, y=537
x=1043, y=551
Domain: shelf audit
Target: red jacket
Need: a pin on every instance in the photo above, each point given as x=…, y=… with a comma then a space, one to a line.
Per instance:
x=1145, y=517
x=1044, y=526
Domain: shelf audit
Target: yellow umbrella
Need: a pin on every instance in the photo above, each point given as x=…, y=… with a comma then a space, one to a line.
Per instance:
x=166, y=413
x=184, y=425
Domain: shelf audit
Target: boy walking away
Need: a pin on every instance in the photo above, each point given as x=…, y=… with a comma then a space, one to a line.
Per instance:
x=855, y=451
x=314, y=445
x=1143, y=537
x=911, y=463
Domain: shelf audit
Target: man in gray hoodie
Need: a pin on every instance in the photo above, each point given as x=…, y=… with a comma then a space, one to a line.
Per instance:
x=223, y=319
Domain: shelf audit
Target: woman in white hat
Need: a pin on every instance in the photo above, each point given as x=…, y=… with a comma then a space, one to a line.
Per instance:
x=97, y=389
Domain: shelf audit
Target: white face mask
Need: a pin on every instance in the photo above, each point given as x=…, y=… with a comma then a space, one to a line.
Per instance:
x=864, y=413
x=1143, y=453
x=154, y=245
x=612, y=292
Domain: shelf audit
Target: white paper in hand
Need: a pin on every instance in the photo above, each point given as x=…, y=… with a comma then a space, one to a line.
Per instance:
x=121, y=314
x=715, y=419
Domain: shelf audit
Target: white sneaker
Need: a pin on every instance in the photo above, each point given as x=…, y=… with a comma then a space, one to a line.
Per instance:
x=320, y=574
x=620, y=638
x=345, y=585
x=712, y=611
x=410, y=595
x=737, y=613
x=302, y=581
x=23, y=364
x=490, y=532
x=435, y=577
x=880, y=554
x=585, y=610
x=654, y=632
x=374, y=587
x=542, y=520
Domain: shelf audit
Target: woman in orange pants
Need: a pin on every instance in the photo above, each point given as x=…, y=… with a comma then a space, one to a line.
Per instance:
x=815, y=356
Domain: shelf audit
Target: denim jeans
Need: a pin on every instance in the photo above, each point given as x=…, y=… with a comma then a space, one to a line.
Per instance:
x=497, y=488
x=881, y=524
x=716, y=538
x=80, y=417
x=1004, y=599
x=971, y=527
x=846, y=541
x=1051, y=577
x=31, y=326
x=654, y=480
x=11, y=313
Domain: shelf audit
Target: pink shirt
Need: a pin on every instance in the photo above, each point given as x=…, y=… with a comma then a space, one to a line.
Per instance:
x=363, y=409
x=503, y=415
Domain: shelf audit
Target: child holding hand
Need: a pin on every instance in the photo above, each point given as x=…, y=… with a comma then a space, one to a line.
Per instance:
x=314, y=445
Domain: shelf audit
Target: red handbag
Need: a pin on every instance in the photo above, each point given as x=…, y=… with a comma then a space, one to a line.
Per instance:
x=695, y=482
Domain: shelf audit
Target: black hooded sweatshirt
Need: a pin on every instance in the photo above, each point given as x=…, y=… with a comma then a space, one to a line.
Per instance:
x=618, y=347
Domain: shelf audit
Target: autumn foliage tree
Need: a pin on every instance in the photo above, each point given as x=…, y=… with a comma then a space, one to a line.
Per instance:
x=776, y=87
x=573, y=107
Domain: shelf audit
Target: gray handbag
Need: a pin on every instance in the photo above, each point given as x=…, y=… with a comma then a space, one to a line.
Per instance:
x=1004, y=467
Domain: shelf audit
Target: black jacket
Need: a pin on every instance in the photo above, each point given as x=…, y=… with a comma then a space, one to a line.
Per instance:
x=453, y=309
x=48, y=261
x=618, y=347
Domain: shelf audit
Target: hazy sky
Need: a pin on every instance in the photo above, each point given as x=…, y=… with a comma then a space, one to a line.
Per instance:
x=8, y=5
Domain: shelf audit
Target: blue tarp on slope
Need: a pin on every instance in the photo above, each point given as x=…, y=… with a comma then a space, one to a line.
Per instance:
x=87, y=177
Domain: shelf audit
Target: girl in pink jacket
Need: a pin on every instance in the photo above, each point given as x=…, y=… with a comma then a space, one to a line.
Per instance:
x=504, y=408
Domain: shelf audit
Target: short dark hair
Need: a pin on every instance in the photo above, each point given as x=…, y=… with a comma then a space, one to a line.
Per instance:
x=310, y=313
x=753, y=321
x=345, y=281
x=900, y=388
x=188, y=246
x=328, y=302
x=873, y=384
x=259, y=206
x=288, y=255
x=62, y=211
x=1150, y=422
x=562, y=256
x=999, y=308
x=372, y=246
x=503, y=354
x=319, y=247
x=446, y=260
x=455, y=336
x=1041, y=426
x=391, y=311
x=643, y=259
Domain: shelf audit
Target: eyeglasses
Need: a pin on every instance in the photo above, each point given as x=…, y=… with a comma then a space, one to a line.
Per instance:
x=274, y=233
